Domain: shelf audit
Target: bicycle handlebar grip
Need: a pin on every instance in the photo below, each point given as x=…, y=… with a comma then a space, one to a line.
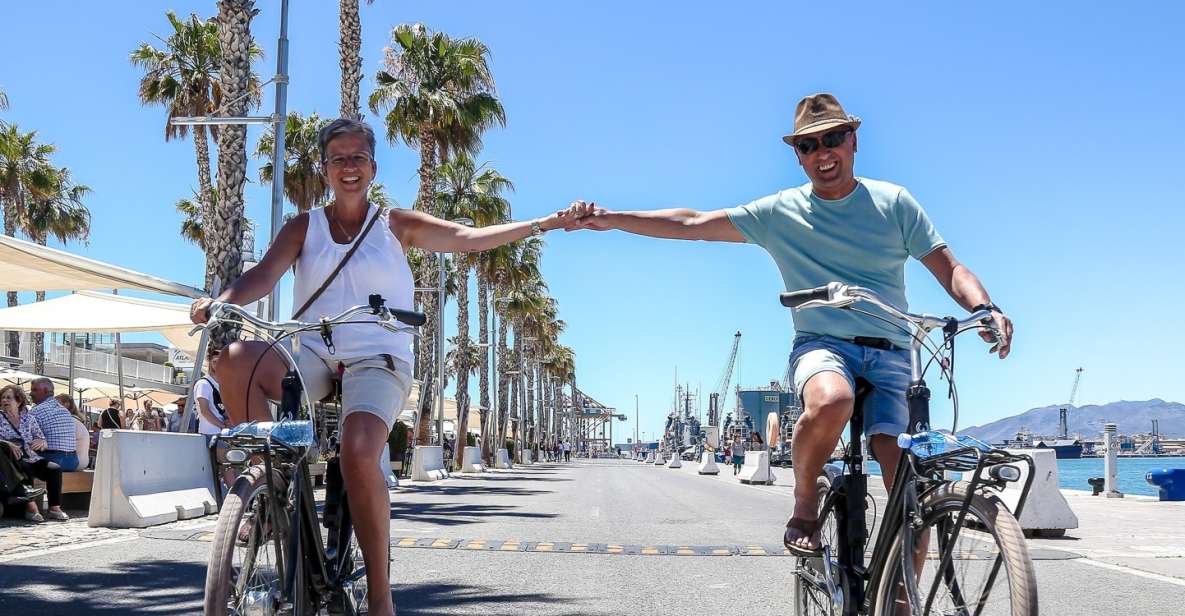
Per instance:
x=409, y=317
x=794, y=299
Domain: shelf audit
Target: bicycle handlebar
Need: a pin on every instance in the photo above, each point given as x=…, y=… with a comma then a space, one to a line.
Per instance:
x=839, y=295
x=794, y=299
x=410, y=318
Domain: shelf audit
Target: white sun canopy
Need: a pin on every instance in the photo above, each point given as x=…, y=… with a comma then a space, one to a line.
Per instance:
x=90, y=311
x=30, y=267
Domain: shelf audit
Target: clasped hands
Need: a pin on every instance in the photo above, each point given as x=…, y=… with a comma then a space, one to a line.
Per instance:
x=579, y=215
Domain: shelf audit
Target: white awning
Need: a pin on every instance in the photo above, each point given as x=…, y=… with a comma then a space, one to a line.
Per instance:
x=90, y=311
x=30, y=267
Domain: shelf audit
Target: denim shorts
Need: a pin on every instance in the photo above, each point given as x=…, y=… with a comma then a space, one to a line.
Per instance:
x=885, y=410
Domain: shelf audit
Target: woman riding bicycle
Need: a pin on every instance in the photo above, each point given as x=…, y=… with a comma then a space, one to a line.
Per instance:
x=376, y=364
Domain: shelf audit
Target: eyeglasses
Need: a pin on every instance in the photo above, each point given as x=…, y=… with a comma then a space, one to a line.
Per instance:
x=358, y=159
x=832, y=139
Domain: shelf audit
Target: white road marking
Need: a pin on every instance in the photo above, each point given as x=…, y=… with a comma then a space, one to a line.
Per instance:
x=1128, y=570
x=67, y=548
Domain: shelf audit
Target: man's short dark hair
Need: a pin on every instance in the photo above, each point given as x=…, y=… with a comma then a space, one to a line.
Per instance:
x=341, y=127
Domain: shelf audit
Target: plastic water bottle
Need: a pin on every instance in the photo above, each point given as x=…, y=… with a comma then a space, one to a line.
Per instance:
x=933, y=443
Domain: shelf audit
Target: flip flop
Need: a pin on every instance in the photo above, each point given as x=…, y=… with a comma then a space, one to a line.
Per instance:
x=807, y=528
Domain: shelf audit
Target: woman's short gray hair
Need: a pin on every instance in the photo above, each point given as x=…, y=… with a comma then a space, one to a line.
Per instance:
x=344, y=126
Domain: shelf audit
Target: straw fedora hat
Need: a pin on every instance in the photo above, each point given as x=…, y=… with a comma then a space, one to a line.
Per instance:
x=817, y=113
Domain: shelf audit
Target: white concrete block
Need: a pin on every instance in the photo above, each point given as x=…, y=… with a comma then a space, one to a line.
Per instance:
x=707, y=464
x=385, y=467
x=427, y=463
x=526, y=456
x=502, y=459
x=148, y=478
x=756, y=468
x=471, y=460
x=675, y=462
x=1045, y=508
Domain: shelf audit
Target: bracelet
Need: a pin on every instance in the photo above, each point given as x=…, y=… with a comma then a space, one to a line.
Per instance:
x=990, y=307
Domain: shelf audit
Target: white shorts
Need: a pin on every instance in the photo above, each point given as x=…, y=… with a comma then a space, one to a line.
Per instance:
x=376, y=385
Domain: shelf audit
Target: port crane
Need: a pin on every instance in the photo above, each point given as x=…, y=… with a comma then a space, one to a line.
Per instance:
x=1063, y=427
x=715, y=406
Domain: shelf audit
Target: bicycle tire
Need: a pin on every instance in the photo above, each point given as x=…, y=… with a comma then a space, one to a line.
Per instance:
x=250, y=493
x=993, y=520
x=808, y=599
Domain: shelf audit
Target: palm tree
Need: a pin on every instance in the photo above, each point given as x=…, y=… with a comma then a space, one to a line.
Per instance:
x=465, y=190
x=3, y=100
x=304, y=184
x=224, y=226
x=377, y=194
x=560, y=363
x=24, y=172
x=184, y=76
x=58, y=212
x=349, y=47
x=435, y=93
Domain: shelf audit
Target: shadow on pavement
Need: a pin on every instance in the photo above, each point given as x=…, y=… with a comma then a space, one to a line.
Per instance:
x=454, y=514
x=460, y=490
x=488, y=601
x=159, y=587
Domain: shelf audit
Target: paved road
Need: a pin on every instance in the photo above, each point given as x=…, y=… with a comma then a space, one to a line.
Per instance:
x=508, y=543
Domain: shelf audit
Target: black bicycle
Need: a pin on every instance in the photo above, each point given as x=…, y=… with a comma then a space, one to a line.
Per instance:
x=942, y=543
x=269, y=555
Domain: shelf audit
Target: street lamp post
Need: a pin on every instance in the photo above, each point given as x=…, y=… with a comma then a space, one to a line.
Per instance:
x=439, y=388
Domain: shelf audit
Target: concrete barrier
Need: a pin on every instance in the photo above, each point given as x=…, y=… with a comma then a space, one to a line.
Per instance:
x=675, y=462
x=756, y=468
x=526, y=456
x=660, y=458
x=385, y=467
x=649, y=458
x=1046, y=510
x=471, y=460
x=427, y=463
x=707, y=464
x=502, y=459
x=147, y=478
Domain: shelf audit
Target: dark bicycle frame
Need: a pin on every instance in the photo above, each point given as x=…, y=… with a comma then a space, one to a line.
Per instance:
x=915, y=477
x=331, y=568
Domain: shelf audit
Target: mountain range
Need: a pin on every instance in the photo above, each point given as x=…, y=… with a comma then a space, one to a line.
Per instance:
x=1132, y=417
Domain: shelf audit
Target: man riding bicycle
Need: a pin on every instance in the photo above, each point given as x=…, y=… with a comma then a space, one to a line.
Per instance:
x=835, y=227
x=375, y=366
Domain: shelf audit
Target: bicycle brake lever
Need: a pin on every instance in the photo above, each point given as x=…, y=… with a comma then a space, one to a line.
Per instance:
x=327, y=335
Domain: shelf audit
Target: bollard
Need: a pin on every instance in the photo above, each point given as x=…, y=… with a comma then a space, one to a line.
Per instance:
x=1110, y=462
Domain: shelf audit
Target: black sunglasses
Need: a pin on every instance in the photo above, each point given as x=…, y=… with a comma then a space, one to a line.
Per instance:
x=832, y=139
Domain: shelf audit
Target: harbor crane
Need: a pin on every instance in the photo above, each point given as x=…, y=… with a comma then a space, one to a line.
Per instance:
x=1063, y=427
x=715, y=406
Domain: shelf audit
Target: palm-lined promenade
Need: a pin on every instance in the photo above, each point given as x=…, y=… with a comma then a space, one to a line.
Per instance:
x=592, y=537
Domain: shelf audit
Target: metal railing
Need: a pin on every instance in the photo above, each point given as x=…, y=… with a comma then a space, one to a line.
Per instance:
x=98, y=361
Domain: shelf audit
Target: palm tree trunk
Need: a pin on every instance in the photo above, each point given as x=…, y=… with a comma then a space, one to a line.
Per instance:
x=350, y=50
x=503, y=382
x=427, y=355
x=463, y=366
x=234, y=41
x=201, y=146
x=10, y=209
x=483, y=328
x=516, y=390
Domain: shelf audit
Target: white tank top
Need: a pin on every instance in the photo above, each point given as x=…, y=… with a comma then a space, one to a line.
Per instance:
x=379, y=266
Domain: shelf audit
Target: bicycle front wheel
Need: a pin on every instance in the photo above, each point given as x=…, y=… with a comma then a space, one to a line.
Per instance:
x=245, y=568
x=989, y=571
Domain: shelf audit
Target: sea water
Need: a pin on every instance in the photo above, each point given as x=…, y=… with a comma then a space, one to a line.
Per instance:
x=1072, y=474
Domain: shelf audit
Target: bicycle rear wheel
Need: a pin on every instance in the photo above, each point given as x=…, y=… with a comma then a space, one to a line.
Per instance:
x=244, y=571
x=990, y=540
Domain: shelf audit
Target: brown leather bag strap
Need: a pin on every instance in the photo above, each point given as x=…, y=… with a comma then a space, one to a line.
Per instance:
x=340, y=265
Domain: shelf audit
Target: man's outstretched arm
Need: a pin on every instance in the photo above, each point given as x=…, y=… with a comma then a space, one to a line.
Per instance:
x=964, y=287
x=675, y=224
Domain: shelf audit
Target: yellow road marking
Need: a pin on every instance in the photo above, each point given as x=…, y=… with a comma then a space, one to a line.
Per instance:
x=407, y=542
x=509, y=546
x=544, y=547
x=649, y=551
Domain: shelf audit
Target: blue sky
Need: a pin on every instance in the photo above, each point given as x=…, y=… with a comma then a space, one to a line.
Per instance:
x=1043, y=139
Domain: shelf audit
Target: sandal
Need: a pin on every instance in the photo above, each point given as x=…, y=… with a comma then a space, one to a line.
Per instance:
x=806, y=528
x=34, y=517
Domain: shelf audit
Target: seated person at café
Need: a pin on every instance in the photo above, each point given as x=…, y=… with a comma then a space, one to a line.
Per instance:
x=21, y=434
x=56, y=423
x=81, y=436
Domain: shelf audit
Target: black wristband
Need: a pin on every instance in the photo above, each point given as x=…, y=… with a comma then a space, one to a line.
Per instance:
x=990, y=307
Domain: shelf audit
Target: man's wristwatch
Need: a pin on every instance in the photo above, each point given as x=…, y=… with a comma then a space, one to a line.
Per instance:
x=536, y=228
x=990, y=307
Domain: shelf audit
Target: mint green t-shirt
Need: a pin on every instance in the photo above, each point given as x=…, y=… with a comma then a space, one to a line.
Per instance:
x=862, y=239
